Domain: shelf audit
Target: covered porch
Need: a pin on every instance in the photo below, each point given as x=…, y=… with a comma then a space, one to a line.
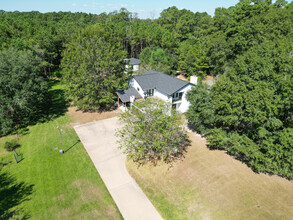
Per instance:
x=126, y=97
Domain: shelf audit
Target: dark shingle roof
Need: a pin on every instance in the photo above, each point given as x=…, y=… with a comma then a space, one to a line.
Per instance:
x=160, y=81
x=124, y=94
x=132, y=61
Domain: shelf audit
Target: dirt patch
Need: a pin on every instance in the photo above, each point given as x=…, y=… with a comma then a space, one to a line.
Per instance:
x=210, y=80
x=80, y=117
x=61, y=197
x=112, y=211
x=182, y=77
x=64, y=214
x=79, y=183
x=92, y=193
x=212, y=184
x=89, y=193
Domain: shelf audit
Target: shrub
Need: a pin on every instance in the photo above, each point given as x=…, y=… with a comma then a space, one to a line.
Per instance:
x=11, y=145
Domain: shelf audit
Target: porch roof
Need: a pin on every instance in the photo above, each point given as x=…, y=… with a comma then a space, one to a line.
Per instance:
x=124, y=94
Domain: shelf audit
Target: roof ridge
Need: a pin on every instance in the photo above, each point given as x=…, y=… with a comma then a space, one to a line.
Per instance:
x=173, y=77
x=160, y=81
x=164, y=74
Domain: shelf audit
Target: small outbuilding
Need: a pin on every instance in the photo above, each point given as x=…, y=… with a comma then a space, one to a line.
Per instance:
x=132, y=63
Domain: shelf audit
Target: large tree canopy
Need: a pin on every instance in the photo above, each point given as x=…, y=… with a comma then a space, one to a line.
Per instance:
x=158, y=59
x=151, y=133
x=93, y=68
x=248, y=112
x=193, y=59
x=23, y=91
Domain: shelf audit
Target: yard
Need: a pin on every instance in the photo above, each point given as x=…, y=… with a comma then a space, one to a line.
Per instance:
x=212, y=185
x=204, y=185
x=47, y=185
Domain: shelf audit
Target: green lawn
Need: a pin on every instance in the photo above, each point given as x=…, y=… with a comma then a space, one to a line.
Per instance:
x=47, y=185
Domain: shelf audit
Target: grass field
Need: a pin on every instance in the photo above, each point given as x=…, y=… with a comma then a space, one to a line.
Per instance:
x=47, y=185
x=212, y=185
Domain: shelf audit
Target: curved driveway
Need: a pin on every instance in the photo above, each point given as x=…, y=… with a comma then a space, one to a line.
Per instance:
x=100, y=143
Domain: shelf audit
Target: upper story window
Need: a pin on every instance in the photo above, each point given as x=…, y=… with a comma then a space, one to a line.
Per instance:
x=150, y=92
x=177, y=96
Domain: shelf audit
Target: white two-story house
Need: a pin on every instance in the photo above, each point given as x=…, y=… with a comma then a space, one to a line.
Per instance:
x=163, y=86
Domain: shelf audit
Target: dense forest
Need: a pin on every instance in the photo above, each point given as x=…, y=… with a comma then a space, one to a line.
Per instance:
x=248, y=47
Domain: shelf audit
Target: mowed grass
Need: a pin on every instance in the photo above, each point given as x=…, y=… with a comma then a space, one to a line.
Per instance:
x=213, y=185
x=63, y=186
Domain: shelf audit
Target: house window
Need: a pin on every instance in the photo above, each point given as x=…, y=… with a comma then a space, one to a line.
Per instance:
x=137, y=89
x=176, y=106
x=177, y=96
x=150, y=92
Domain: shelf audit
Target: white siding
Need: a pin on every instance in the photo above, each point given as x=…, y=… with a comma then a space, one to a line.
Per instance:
x=133, y=83
x=135, y=67
x=184, y=103
x=162, y=96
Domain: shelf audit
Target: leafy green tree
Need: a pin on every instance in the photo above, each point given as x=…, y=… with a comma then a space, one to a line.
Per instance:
x=192, y=58
x=23, y=91
x=217, y=53
x=159, y=59
x=151, y=133
x=201, y=112
x=43, y=33
x=93, y=68
x=252, y=109
x=169, y=18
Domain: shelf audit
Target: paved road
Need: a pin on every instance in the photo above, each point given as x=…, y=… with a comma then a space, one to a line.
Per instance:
x=99, y=141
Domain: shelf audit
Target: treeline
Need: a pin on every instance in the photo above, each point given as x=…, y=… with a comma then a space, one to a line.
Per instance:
x=43, y=34
x=177, y=40
x=46, y=34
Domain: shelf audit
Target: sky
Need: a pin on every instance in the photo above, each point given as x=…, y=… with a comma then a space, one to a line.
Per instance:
x=145, y=9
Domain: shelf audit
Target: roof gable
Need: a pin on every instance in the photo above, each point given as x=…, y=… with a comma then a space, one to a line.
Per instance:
x=160, y=81
x=132, y=61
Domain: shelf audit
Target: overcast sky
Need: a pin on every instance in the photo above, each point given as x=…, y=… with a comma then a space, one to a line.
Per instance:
x=145, y=9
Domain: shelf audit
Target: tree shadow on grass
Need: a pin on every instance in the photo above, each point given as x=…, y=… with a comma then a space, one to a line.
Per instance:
x=12, y=194
x=193, y=128
x=57, y=105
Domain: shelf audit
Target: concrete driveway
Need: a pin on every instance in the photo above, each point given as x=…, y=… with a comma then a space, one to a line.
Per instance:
x=99, y=141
